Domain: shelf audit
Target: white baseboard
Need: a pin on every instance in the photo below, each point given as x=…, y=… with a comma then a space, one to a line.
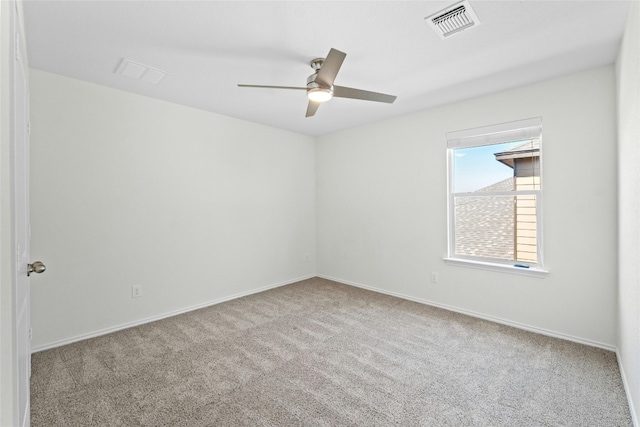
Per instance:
x=506, y=322
x=164, y=315
x=346, y=282
x=627, y=391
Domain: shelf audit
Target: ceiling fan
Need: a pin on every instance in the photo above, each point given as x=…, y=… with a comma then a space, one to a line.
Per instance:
x=320, y=87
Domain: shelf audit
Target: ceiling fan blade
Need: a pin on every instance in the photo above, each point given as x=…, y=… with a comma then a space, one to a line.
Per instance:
x=274, y=87
x=329, y=70
x=349, y=92
x=312, y=108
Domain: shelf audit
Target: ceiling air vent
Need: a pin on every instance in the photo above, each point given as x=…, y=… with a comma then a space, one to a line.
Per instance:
x=453, y=19
x=140, y=71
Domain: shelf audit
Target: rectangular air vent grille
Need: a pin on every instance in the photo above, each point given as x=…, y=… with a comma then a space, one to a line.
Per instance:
x=453, y=19
x=136, y=70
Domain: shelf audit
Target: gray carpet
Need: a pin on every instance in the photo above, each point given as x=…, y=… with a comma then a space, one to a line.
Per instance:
x=319, y=353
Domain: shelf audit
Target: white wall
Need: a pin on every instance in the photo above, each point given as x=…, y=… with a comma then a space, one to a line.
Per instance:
x=628, y=70
x=194, y=206
x=382, y=194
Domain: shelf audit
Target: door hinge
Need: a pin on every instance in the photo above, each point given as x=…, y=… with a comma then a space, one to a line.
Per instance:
x=29, y=128
x=30, y=334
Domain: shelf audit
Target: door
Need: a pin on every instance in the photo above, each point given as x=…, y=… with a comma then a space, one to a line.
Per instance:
x=21, y=218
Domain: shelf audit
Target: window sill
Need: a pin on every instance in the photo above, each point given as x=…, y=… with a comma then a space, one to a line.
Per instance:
x=503, y=268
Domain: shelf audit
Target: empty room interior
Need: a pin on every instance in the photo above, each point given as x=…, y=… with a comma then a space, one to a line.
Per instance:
x=451, y=236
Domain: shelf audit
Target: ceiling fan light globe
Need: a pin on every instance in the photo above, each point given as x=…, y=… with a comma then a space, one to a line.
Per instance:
x=319, y=94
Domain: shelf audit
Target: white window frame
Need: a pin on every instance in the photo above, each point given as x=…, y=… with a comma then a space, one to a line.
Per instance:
x=489, y=135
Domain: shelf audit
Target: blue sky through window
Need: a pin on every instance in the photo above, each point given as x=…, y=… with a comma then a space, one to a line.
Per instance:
x=476, y=167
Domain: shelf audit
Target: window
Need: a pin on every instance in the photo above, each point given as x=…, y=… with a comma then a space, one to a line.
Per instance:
x=495, y=196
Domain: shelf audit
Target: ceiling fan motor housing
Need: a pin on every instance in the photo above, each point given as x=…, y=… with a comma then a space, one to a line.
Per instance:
x=317, y=92
x=312, y=84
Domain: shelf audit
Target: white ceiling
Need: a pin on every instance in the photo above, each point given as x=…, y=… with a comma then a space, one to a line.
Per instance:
x=210, y=46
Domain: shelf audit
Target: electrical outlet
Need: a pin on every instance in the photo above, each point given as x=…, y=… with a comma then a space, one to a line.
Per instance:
x=434, y=277
x=136, y=291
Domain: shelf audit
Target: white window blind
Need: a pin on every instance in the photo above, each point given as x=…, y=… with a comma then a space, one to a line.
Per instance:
x=519, y=130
